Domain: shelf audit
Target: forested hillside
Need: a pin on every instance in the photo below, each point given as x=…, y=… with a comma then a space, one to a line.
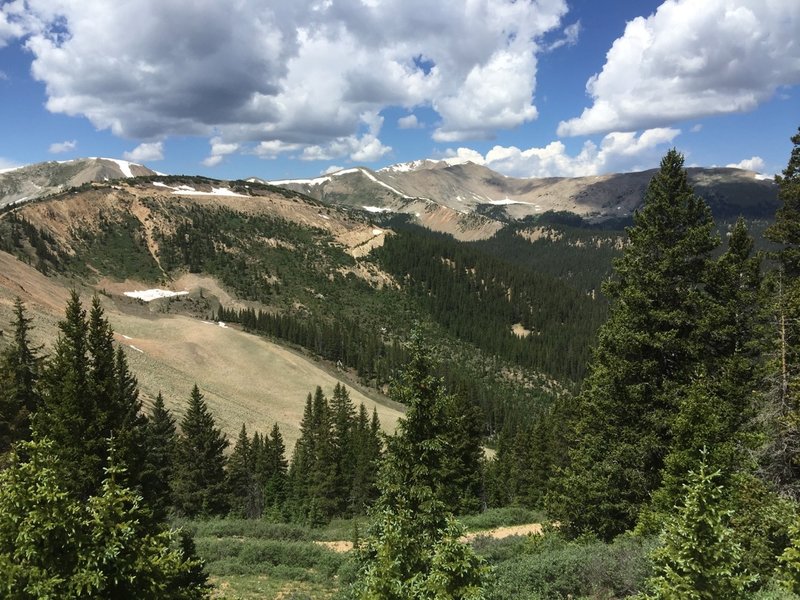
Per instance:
x=637, y=386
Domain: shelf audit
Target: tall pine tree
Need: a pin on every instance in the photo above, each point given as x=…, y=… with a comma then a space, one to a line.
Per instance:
x=781, y=455
x=161, y=438
x=199, y=468
x=19, y=372
x=648, y=348
x=412, y=550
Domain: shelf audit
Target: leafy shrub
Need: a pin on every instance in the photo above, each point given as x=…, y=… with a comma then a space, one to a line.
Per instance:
x=552, y=568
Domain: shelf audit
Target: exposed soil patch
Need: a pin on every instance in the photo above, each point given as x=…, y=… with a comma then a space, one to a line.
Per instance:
x=498, y=533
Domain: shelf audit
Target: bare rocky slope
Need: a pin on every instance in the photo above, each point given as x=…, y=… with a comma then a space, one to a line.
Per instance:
x=170, y=342
x=471, y=201
x=42, y=179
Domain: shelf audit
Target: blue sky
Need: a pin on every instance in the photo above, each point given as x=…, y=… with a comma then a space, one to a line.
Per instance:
x=277, y=90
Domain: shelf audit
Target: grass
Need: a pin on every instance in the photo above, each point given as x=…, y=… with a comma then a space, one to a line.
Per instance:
x=257, y=559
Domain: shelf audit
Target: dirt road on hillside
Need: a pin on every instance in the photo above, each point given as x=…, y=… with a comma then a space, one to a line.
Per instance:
x=497, y=533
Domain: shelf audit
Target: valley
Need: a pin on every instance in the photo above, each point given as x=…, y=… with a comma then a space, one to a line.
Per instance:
x=269, y=298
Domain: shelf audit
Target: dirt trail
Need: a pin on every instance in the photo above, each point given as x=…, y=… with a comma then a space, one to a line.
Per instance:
x=498, y=533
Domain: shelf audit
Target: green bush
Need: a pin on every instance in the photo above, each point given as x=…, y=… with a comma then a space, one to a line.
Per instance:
x=552, y=568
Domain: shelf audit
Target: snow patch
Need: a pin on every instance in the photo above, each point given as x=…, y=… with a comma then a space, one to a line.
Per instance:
x=315, y=181
x=386, y=185
x=124, y=165
x=377, y=231
x=8, y=170
x=127, y=337
x=326, y=217
x=221, y=324
x=132, y=347
x=153, y=294
x=376, y=209
x=185, y=190
x=508, y=201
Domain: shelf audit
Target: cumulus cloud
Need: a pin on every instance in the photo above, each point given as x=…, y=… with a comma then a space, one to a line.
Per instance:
x=148, y=151
x=331, y=169
x=409, y=122
x=61, y=147
x=692, y=59
x=219, y=150
x=249, y=72
x=617, y=152
x=754, y=163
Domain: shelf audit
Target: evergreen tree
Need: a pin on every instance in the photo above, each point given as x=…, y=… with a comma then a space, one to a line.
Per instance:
x=89, y=398
x=246, y=499
x=649, y=347
x=199, y=468
x=781, y=455
x=716, y=409
x=275, y=483
x=69, y=415
x=54, y=545
x=313, y=470
x=698, y=559
x=367, y=453
x=463, y=468
x=161, y=439
x=412, y=548
x=19, y=373
x=128, y=426
x=342, y=444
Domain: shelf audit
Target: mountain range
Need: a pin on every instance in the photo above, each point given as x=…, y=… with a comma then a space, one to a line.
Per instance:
x=334, y=271
x=466, y=200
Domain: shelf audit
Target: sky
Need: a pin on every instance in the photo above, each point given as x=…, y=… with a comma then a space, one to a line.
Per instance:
x=530, y=88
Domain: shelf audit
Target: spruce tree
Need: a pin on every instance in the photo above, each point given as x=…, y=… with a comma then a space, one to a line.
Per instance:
x=367, y=452
x=781, y=454
x=160, y=442
x=463, y=468
x=314, y=469
x=412, y=549
x=19, y=373
x=698, y=558
x=649, y=347
x=199, y=468
x=342, y=442
x=275, y=484
x=69, y=414
x=128, y=425
x=54, y=545
x=246, y=499
x=716, y=409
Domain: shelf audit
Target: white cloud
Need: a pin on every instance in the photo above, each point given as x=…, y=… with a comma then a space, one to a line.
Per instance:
x=409, y=122
x=692, y=59
x=61, y=147
x=274, y=148
x=362, y=148
x=618, y=152
x=251, y=72
x=754, y=163
x=571, y=35
x=697, y=128
x=146, y=152
x=331, y=169
x=219, y=150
